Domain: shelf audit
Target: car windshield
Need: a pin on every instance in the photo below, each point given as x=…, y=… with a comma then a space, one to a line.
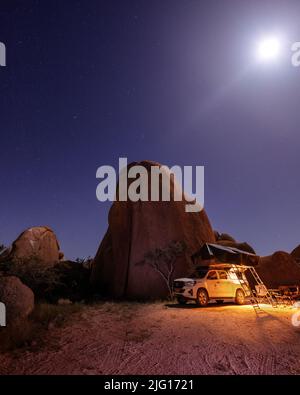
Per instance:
x=199, y=272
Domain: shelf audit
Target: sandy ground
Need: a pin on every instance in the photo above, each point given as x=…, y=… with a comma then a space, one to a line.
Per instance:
x=124, y=338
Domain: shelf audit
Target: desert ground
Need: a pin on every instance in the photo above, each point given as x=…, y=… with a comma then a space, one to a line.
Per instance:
x=160, y=338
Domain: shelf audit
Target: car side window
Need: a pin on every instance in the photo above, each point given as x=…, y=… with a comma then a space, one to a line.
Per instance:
x=212, y=275
x=223, y=275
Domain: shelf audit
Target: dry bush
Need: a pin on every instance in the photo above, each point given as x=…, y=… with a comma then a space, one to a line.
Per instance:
x=38, y=277
x=69, y=280
x=17, y=336
x=163, y=261
x=30, y=332
x=45, y=314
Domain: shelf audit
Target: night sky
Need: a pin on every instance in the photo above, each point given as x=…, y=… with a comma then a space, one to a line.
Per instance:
x=175, y=81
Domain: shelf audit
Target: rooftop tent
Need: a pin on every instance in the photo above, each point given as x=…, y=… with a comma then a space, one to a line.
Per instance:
x=215, y=253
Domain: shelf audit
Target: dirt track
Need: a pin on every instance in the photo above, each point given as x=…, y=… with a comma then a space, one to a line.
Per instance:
x=135, y=338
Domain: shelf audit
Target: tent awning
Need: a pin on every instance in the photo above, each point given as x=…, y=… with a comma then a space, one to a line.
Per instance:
x=221, y=254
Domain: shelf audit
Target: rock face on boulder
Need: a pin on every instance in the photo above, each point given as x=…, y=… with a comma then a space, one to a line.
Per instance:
x=38, y=242
x=137, y=228
x=17, y=297
x=296, y=253
x=279, y=269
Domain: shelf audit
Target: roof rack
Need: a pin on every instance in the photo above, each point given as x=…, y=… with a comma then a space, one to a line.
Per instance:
x=224, y=266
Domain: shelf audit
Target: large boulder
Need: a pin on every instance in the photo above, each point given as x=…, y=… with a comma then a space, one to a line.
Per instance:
x=279, y=269
x=18, y=299
x=39, y=243
x=224, y=239
x=137, y=228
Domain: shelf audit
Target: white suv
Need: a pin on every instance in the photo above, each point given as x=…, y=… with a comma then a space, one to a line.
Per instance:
x=212, y=284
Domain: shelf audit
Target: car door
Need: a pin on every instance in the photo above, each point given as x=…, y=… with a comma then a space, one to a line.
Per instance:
x=212, y=283
x=225, y=286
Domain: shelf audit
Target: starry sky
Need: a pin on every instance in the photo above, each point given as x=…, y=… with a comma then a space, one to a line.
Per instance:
x=175, y=81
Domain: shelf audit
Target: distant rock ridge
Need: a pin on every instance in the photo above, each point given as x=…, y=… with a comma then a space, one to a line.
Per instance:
x=278, y=269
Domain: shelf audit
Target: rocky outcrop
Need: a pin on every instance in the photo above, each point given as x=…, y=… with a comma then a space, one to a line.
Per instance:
x=296, y=253
x=279, y=269
x=241, y=246
x=37, y=242
x=137, y=228
x=18, y=299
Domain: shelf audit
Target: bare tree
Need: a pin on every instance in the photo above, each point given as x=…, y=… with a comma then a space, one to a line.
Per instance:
x=163, y=261
x=86, y=263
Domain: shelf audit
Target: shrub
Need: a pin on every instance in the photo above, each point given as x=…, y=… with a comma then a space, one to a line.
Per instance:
x=17, y=336
x=30, y=332
x=44, y=314
x=38, y=277
x=64, y=280
x=74, y=281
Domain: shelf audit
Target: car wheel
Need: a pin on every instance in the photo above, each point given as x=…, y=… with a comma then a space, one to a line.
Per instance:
x=240, y=297
x=202, y=297
x=220, y=301
x=181, y=300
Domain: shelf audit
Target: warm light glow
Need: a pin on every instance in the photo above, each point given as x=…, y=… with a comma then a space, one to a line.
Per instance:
x=268, y=49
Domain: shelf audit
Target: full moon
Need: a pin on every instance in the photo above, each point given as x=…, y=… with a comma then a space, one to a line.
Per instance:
x=268, y=49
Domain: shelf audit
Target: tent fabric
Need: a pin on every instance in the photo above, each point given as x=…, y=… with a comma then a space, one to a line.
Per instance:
x=220, y=254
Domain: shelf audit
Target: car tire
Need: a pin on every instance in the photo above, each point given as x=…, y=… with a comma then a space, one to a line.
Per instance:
x=240, y=297
x=220, y=301
x=202, y=297
x=181, y=300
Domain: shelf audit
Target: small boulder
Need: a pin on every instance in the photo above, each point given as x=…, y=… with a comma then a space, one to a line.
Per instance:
x=224, y=237
x=17, y=297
